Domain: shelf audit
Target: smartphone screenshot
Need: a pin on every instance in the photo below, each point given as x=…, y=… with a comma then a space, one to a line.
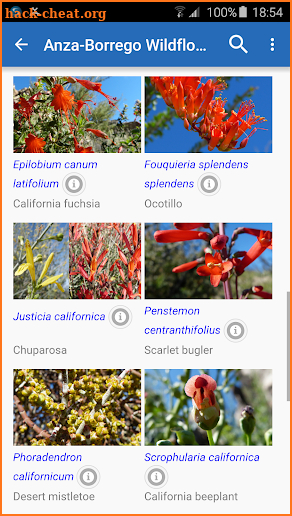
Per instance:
x=184, y=109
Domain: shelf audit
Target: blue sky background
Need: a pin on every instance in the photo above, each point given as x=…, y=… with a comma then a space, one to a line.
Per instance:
x=127, y=89
x=243, y=242
x=178, y=139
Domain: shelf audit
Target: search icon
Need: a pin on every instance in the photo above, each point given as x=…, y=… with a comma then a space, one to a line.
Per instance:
x=236, y=47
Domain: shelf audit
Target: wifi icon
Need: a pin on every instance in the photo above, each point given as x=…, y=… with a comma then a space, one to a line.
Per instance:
x=179, y=9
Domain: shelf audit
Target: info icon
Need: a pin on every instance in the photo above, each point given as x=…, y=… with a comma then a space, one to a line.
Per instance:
x=156, y=477
x=209, y=184
x=235, y=330
x=74, y=184
x=88, y=477
x=120, y=317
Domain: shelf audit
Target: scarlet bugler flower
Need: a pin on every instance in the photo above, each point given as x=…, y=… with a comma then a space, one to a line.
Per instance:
x=178, y=235
x=34, y=144
x=214, y=267
x=219, y=242
x=191, y=225
x=263, y=242
x=186, y=266
x=259, y=292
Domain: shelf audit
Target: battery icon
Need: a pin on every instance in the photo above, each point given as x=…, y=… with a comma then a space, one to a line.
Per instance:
x=243, y=12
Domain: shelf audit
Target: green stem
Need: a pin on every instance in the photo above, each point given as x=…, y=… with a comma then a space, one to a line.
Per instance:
x=248, y=439
x=210, y=438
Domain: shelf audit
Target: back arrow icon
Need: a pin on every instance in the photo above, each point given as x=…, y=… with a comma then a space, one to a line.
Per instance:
x=18, y=44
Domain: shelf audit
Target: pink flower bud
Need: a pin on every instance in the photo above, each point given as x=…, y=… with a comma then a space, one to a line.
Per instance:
x=219, y=242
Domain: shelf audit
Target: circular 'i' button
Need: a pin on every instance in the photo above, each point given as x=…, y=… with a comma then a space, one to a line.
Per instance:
x=209, y=184
x=88, y=477
x=156, y=477
x=120, y=317
x=235, y=330
x=74, y=184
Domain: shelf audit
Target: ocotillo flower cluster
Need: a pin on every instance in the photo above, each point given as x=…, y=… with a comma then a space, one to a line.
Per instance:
x=195, y=103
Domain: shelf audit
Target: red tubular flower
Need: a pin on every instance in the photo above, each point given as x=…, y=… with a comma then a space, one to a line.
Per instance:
x=219, y=242
x=191, y=225
x=83, y=150
x=177, y=235
x=25, y=106
x=218, y=111
x=96, y=86
x=264, y=241
x=84, y=293
x=83, y=272
x=135, y=262
x=120, y=270
x=204, y=107
x=98, y=133
x=257, y=233
x=186, y=266
x=258, y=291
x=102, y=265
x=80, y=104
x=232, y=133
x=122, y=256
x=128, y=290
x=80, y=149
x=93, y=267
x=134, y=234
x=214, y=267
x=199, y=388
x=63, y=99
x=125, y=238
x=216, y=135
x=101, y=257
x=86, y=251
x=34, y=144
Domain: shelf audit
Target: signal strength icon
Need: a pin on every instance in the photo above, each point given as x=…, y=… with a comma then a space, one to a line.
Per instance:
x=179, y=9
x=196, y=13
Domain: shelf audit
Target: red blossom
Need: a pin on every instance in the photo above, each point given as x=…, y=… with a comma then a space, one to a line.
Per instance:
x=177, y=235
x=200, y=388
x=214, y=267
x=34, y=144
x=263, y=242
x=194, y=103
x=63, y=99
x=187, y=266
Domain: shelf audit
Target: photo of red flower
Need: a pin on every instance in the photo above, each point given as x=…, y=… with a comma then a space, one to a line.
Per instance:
x=208, y=114
x=208, y=261
x=105, y=260
x=77, y=115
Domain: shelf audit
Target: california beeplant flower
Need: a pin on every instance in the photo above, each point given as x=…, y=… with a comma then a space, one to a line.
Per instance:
x=206, y=410
x=41, y=282
x=203, y=112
